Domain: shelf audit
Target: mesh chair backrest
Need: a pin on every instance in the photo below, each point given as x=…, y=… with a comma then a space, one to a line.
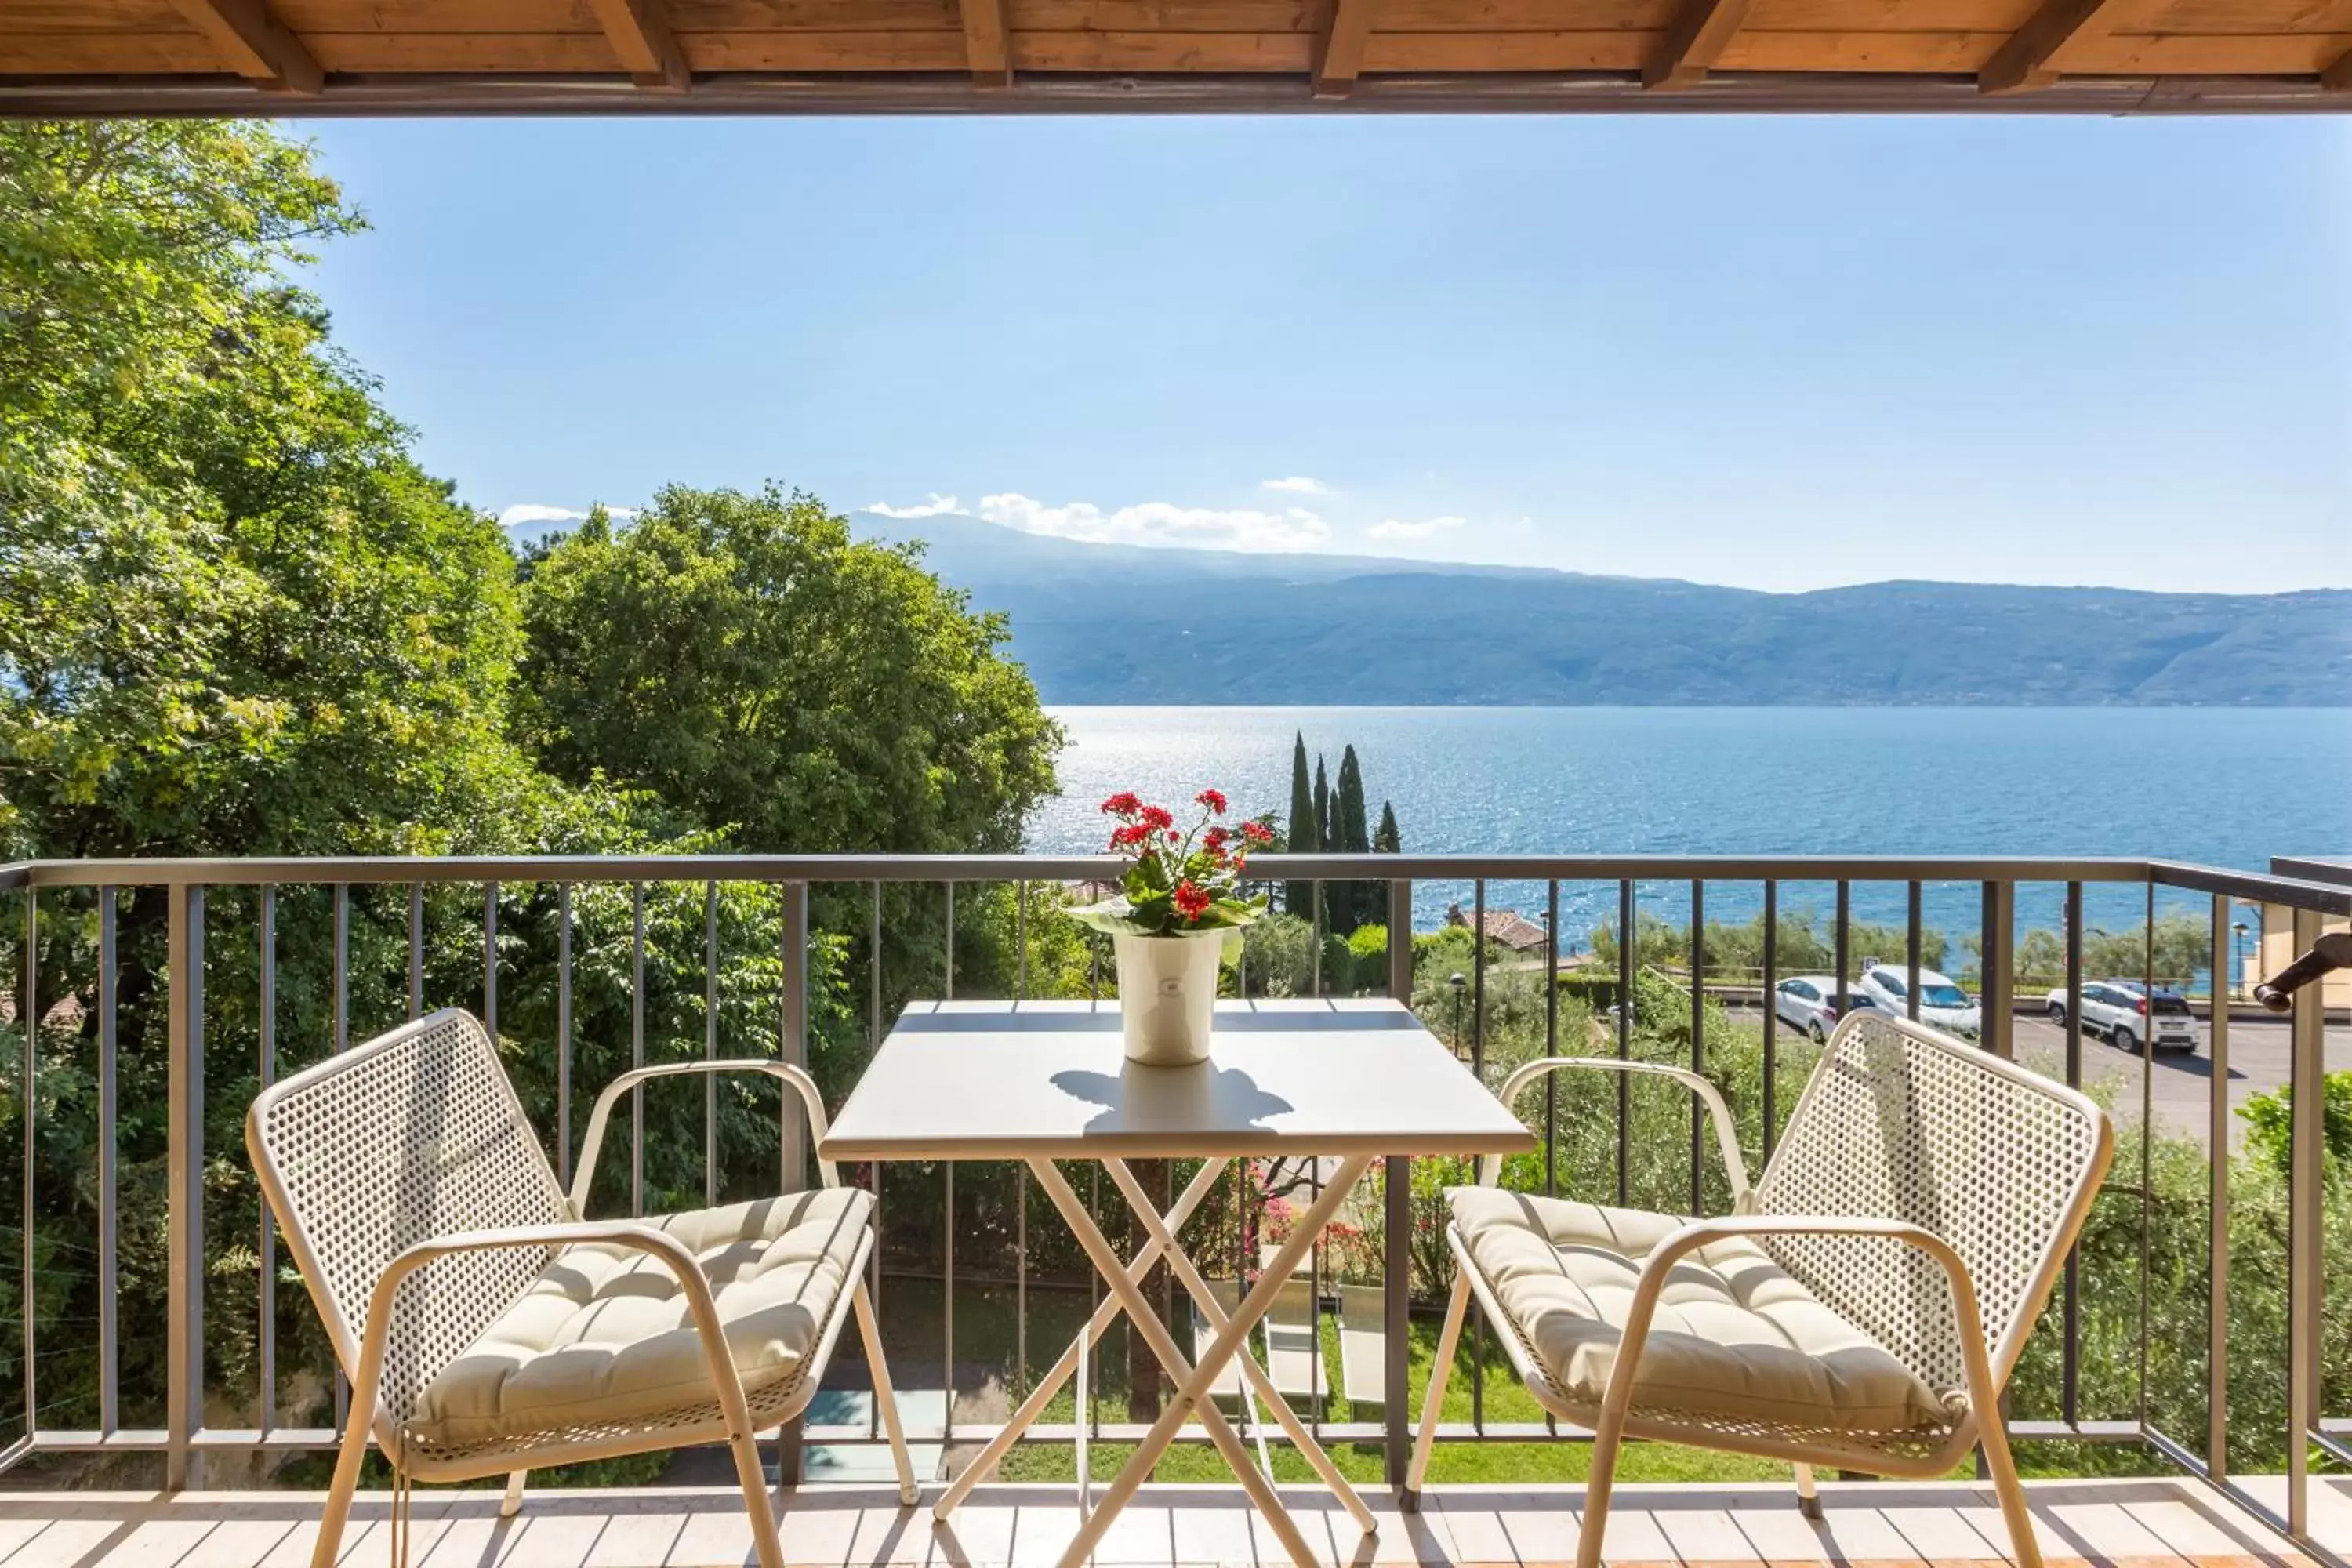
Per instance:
x=415, y=1134
x=1903, y=1123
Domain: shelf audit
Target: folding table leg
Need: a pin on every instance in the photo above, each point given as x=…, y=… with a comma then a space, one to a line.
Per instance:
x=1196, y=1386
x=984, y=1463
x=1198, y=1287
x=1192, y=1391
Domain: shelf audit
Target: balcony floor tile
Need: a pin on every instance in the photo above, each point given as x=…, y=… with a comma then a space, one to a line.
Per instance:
x=2157, y=1524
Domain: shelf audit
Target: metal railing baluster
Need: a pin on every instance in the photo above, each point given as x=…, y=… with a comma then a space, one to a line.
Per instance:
x=490, y=958
x=1396, y=1248
x=415, y=951
x=636, y=1047
x=1770, y=1000
x=265, y=1304
x=341, y=982
x=1912, y=938
x=710, y=1045
x=110, y=1327
x=1698, y=1043
x=2306, y=1296
x=563, y=1032
x=1627, y=935
x=2217, y=1237
x=1551, y=1037
x=1479, y=1071
x=2070, y=1373
x=2146, y=1144
x=184, y=1381
x=29, y=1082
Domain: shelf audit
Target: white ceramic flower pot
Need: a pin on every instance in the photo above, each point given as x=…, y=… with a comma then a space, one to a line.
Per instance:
x=1168, y=995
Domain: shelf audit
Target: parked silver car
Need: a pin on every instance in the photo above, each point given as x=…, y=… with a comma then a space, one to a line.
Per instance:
x=1811, y=1002
x=2118, y=1011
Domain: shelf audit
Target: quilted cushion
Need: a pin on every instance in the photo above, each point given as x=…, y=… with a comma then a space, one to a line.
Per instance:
x=604, y=1335
x=1733, y=1336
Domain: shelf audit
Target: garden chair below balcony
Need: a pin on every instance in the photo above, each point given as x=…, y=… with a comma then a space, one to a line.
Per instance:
x=1861, y=1307
x=489, y=1328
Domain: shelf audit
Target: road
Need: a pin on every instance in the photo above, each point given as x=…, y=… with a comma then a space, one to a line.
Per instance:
x=2183, y=1089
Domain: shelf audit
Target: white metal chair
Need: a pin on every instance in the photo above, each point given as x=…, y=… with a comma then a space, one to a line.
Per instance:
x=1862, y=1306
x=489, y=1327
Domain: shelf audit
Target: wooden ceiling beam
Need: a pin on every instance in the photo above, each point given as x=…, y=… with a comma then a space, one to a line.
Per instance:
x=639, y=32
x=1694, y=43
x=987, y=44
x=2022, y=64
x=256, y=44
x=2337, y=78
x=1339, y=47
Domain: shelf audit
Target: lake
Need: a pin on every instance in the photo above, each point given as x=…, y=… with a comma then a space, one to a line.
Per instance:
x=2226, y=787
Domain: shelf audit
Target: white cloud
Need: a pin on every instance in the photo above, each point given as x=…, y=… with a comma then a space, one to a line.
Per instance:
x=1162, y=523
x=931, y=508
x=532, y=511
x=1298, y=485
x=1428, y=528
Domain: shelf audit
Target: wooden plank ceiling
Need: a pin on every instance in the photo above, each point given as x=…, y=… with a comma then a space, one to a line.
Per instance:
x=277, y=57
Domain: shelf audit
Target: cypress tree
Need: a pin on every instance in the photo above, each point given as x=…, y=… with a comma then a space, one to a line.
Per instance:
x=1306, y=833
x=1324, y=838
x=1386, y=840
x=1327, y=835
x=1357, y=901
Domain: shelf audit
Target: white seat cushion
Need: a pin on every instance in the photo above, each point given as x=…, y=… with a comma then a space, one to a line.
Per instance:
x=1733, y=1337
x=604, y=1334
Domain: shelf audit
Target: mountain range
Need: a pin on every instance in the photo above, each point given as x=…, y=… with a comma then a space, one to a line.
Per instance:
x=1119, y=624
x=1125, y=623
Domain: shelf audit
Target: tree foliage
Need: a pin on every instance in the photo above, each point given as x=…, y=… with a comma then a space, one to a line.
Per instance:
x=235, y=616
x=745, y=660
x=1305, y=833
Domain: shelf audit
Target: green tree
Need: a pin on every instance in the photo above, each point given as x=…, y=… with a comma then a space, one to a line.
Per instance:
x=748, y=661
x=1305, y=834
x=1355, y=902
x=1327, y=835
x=234, y=616
x=1386, y=839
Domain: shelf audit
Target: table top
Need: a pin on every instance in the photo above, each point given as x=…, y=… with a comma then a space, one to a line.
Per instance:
x=1005, y=1081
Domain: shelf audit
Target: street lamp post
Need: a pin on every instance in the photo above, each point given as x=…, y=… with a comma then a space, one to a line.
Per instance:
x=1458, y=981
x=2238, y=986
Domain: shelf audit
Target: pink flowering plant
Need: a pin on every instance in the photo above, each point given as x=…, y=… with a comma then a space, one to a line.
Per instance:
x=1179, y=880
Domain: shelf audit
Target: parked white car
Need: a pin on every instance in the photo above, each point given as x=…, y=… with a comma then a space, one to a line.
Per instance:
x=1942, y=1004
x=2118, y=1012
x=1811, y=1002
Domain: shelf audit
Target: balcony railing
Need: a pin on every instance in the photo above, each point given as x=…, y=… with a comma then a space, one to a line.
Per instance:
x=234, y=969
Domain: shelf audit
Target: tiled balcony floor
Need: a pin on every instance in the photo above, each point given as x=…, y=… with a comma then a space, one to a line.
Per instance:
x=2105, y=1524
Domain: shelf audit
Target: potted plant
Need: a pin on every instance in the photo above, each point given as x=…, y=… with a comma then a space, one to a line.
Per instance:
x=1178, y=918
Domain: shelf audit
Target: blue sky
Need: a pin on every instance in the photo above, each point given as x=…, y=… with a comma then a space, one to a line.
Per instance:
x=1776, y=352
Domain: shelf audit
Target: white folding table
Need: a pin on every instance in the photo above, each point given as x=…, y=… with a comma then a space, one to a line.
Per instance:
x=1349, y=1080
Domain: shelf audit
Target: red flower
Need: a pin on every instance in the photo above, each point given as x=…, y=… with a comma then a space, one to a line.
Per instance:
x=1156, y=815
x=1258, y=833
x=1126, y=837
x=1123, y=804
x=1191, y=900
x=1215, y=838
x=1214, y=799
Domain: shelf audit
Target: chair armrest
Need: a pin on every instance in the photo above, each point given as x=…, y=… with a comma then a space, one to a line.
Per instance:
x=691, y=1281
x=593, y=1144
x=1727, y=1131
x=1975, y=1363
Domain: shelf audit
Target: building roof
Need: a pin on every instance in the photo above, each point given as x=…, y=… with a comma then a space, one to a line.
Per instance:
x=1508, y=927
x=327, y=57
